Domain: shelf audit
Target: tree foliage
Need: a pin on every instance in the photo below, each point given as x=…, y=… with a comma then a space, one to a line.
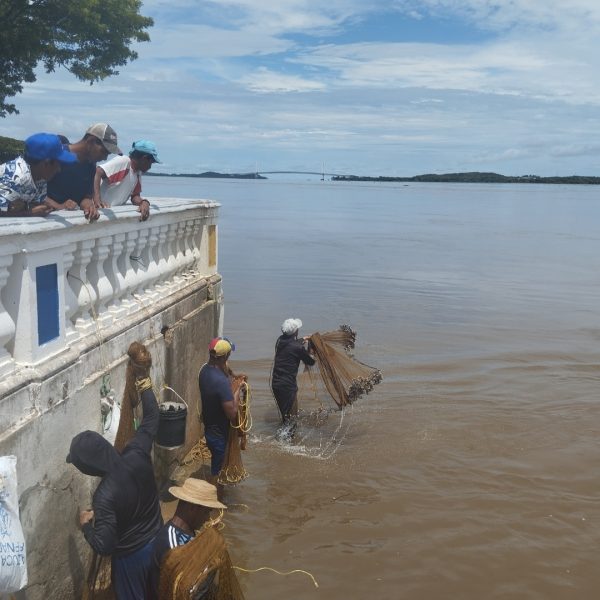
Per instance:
x=90, y=38
x=10, y=148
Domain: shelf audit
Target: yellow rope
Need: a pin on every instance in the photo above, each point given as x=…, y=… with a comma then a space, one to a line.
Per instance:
x=278, y=572
x=244, y=416
x=141, y=385
x=198, y=451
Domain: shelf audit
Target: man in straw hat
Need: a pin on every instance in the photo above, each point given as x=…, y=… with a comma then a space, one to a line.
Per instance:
x=219, y=403
x=289, y=352
x=196, y=499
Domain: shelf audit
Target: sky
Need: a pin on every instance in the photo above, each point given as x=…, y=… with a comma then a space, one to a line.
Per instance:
x=384, y=87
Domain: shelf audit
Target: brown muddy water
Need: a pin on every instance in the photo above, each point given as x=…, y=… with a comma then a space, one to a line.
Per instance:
x=471, y=472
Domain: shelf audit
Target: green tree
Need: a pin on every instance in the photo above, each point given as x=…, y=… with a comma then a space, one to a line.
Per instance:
x=90, y=38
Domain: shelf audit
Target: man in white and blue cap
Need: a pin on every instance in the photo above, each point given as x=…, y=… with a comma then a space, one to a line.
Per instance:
x=120, y=178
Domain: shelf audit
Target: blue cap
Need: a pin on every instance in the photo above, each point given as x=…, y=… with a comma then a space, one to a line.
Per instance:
x=147, y=147
x=44, y=146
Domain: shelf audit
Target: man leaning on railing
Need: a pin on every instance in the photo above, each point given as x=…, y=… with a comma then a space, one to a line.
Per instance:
x=23, y=179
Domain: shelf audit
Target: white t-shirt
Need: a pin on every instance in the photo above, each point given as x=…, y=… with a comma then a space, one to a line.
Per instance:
x=122, y=181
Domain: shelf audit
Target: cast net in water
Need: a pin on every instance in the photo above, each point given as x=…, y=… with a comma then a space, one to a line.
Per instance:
x=200, y=567
x=344, y=377
x=233, y=470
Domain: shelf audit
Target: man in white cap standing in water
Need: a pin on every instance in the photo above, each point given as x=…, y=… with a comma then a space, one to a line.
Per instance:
x=289, y=351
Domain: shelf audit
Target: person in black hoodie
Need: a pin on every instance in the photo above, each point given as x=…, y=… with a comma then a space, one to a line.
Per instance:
x=289, y=351
x=125, y=515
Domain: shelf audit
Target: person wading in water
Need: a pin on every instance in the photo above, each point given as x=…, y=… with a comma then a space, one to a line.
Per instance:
x=289, y=352
x=219, y=403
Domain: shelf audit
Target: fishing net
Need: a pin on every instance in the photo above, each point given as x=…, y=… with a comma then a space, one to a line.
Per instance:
x=136, y=381
x=345, y=378
x=98, y=582
x=201, y=566
x=233, y=470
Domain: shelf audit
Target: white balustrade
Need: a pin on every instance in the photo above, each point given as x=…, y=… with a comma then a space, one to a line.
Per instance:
x=116, y=278
x=7, y=325
x=84, y=292
x=172, y=255
x=71, y=302
x=188, y=258
x=99, y=279
x=137, y=260
x=64, y=281
x=127, y=271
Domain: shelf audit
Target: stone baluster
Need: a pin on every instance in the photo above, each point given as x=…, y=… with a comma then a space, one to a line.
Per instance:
x=116, y=278
x=71, y=302
x=161, y=255
x=7, y=325
x=179, y=249
x=197, y=249
x=150, y=259
x=82, y=288
x=138, y=259
x=172, y=264
x=188, y=254
x=99, y=279
x=125, y=265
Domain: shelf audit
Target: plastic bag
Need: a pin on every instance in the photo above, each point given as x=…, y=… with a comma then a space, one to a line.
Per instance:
x=13, y=558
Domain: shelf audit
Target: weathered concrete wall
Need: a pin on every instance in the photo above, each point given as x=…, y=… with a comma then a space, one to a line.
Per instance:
x=62, y=398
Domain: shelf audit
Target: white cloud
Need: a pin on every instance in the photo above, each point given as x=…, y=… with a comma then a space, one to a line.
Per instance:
x=265, y=81
x=225, y=83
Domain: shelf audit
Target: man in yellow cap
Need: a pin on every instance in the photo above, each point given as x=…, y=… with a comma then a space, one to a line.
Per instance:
x=219, y=403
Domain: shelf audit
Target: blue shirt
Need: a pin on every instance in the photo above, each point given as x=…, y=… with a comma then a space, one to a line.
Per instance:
x=215, y=388
x=74, y=182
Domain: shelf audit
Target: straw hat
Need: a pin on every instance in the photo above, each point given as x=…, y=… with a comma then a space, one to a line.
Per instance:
x=197, y=491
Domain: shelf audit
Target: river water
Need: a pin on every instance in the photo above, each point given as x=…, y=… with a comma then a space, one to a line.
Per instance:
x=471, y=471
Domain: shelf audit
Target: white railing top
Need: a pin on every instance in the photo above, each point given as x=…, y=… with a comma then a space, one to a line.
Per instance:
x=126, y=214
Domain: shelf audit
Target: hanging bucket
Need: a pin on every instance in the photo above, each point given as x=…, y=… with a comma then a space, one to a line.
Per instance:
x=172, y=418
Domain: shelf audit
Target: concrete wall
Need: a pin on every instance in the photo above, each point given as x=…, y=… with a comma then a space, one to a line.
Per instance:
x=73, y=296
x=62, y=398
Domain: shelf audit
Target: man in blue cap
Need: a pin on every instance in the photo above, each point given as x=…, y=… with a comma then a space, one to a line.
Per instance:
x=121, y=178
x=23, y=180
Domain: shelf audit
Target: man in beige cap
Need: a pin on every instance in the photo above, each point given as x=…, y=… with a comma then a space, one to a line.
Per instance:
x=73, y=187
x=196, y=499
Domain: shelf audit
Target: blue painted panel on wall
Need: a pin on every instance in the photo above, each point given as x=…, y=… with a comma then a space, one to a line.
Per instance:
x=46, y=280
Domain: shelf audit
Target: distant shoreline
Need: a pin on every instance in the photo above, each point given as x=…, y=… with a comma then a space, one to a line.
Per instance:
x=475, y=177
x=210, y=175
x=471, y=177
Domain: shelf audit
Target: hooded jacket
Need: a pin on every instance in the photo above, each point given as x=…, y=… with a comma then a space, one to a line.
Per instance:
x=289, y=351
x=125, y=504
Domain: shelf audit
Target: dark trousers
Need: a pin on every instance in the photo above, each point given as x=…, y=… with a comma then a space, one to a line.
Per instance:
x=217, y=443
x=285, y=396
x=131, y=574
